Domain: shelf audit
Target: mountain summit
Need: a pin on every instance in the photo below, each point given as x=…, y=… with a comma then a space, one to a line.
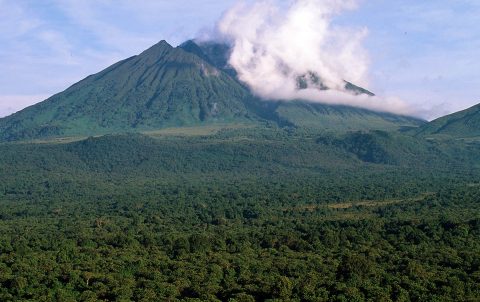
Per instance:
x=167, y=86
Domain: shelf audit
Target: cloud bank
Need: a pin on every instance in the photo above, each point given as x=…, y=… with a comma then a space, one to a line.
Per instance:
x=275, y=45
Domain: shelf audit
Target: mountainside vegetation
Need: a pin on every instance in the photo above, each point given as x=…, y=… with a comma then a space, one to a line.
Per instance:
x=240, y=215
x=463, y=124
x=165, y=87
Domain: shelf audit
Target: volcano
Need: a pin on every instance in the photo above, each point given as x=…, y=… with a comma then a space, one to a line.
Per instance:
x=168, y=87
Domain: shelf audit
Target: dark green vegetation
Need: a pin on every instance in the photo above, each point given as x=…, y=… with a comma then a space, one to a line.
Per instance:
x=189, y=85
x=463, y=124
x=241, y=215
x=213, y=195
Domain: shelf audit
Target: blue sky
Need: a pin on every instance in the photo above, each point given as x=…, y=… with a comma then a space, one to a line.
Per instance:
x=424, y=52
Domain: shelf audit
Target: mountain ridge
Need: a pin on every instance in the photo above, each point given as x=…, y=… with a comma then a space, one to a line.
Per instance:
x=465, y=123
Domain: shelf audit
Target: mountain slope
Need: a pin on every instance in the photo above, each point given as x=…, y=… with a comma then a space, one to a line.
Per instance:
x=163, y=86
x=190, y=85
x=463, y=124
x=307, y=114
x=218, y=54
x=340, y=118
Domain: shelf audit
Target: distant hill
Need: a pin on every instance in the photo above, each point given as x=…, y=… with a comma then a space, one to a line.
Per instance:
x=461, y=124
x=167, y=87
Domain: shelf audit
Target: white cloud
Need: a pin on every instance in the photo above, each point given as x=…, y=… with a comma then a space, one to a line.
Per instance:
x=273, y=45
x=426, y=53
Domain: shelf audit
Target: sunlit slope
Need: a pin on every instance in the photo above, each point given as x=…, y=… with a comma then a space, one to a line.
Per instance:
x=163, y=86
x=187, y=86
x=461, y=124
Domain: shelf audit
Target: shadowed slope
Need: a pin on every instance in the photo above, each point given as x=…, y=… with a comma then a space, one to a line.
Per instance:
x=304, y=113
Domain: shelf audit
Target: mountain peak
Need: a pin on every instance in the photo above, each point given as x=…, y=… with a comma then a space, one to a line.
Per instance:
x=189, y=44
x=158, y=49
x=161, y=87
x=162, y=44
x=216, y=53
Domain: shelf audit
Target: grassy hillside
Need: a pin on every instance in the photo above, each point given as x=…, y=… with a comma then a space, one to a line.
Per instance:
x=340, y=118
x=163, y=86
x=463, y=124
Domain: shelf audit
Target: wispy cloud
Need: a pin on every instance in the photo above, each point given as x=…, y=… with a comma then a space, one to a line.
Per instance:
x=274, y=45
x=425, y=52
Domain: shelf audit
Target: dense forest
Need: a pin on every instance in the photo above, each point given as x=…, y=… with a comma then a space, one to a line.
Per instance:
x=241, y=215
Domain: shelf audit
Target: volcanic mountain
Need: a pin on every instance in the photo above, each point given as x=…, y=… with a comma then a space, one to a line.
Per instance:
x=165, y=86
